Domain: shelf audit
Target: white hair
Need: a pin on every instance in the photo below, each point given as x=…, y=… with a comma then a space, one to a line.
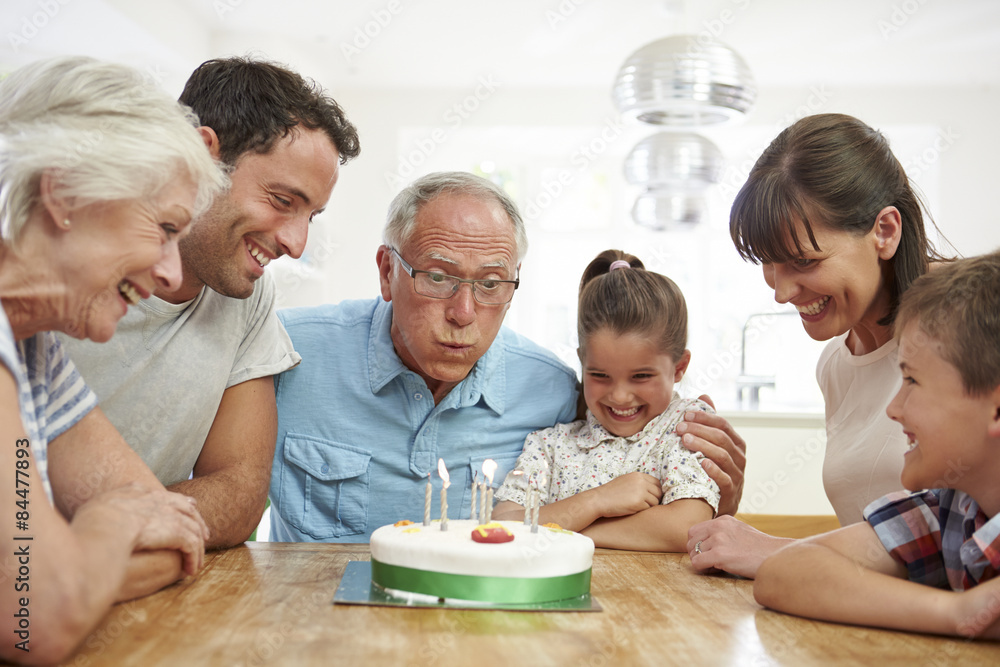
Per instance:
x=403, y=210
x=102, y=130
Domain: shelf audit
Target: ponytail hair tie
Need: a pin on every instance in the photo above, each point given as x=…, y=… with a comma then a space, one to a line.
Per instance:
x=619, y=264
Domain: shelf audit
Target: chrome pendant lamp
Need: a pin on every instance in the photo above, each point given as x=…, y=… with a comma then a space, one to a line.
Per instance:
x=674, y=169
x=679, y=83
x=685, y=81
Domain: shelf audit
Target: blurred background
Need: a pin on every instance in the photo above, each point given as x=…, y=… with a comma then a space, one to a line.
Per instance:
x=521, y=91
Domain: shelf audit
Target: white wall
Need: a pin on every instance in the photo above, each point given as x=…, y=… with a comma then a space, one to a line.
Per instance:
x=343, y=241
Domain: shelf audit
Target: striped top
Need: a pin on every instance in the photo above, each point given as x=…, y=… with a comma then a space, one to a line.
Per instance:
x=52, y=395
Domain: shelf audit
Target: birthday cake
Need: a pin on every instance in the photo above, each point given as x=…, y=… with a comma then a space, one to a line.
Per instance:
x=501, y=562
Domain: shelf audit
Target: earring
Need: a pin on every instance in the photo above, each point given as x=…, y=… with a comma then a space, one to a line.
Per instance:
x=66, y=223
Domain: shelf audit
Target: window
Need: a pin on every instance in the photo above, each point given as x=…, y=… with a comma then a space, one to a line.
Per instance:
x=569, y=184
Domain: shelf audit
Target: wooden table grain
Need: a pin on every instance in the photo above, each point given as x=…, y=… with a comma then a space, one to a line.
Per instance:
x=271, y=604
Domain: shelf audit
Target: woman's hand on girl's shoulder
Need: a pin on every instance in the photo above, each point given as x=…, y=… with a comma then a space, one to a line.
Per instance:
x=724, y=450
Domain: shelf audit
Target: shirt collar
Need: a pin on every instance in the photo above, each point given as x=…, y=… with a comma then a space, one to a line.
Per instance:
x=594, y=434
x=487, y=381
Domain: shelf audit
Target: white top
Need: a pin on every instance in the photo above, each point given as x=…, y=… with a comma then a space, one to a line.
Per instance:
x=547, y=553
x=583, y=455
x=864, y=448
x=161, y=377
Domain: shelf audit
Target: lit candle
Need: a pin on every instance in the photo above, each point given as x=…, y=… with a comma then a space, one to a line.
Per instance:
x=489, y=468
x=475, y=488
x=427, y=502
x=443, y=472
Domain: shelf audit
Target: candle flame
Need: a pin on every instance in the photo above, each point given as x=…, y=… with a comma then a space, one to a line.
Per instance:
x=443, y=473
x=489, y=468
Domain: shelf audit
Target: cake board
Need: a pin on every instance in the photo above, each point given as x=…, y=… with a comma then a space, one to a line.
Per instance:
x=356, y=588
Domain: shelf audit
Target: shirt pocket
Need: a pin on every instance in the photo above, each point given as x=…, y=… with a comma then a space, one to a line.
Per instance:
x=505, y=463
x=324, y=486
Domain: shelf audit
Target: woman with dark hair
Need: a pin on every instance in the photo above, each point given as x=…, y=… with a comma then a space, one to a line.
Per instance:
x=830, y=214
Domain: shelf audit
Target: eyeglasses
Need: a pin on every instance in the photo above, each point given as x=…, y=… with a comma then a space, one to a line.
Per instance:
x=489, y=292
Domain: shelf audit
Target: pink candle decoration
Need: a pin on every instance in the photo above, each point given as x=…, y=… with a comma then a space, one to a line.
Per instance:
x=489, y=469
x=443, y=472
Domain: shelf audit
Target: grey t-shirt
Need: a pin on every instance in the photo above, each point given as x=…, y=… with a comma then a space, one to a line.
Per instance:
x=161, y=377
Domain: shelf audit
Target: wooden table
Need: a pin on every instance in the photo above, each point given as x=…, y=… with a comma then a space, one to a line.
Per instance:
x=271, y=603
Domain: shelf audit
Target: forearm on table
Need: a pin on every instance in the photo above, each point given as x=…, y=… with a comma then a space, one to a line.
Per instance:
x=150, y=571
x=812, y=580
x=231, y=502
x=660, y=528
x=574, y=513
x=78, y=577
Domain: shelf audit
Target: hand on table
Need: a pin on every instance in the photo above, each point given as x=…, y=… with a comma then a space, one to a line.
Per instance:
x=161, y=520
x=725, y=543
x=978, y=611
x=628, y=494
x=724, y=449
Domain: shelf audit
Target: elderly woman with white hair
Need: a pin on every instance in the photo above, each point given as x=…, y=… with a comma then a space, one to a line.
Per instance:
x=100, y=174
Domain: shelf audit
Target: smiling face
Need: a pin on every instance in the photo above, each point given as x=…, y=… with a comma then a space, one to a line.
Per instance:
x=839, y=286
x=116, y=253
x=627, y=380
x=947, y=429
x=442, y=339
x=264, y=215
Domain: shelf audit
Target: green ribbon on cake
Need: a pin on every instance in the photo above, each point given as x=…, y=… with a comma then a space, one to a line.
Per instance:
x=501, y=590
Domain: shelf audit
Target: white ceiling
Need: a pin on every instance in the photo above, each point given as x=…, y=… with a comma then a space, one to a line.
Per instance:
x=549, y=43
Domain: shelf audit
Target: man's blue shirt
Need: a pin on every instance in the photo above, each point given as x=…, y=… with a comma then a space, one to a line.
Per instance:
x=358, y=432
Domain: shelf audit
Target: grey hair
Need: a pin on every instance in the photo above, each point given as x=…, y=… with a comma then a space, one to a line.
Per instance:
x=103, y=130
x=403, y=210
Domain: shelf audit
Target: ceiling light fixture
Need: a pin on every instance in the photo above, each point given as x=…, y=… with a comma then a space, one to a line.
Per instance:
x=679, y=83
x=685, y=81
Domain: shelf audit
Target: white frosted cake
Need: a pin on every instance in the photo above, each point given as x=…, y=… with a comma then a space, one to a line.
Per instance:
x=552, y=564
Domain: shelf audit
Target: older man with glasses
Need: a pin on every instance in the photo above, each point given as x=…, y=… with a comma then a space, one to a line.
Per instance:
x=388, y=386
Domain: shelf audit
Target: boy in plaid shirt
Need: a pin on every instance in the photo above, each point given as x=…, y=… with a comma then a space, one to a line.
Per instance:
x=948, y=536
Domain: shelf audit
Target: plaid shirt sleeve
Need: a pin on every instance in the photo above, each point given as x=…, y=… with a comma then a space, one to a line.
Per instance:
x=908, y=526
